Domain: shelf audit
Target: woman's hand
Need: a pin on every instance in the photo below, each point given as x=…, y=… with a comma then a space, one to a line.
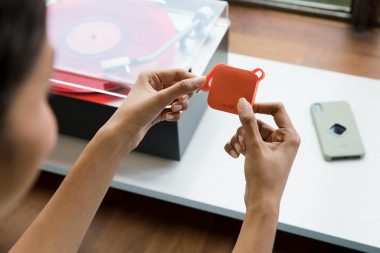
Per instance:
x=146, y=103
x=269, y=153
x=62, y=224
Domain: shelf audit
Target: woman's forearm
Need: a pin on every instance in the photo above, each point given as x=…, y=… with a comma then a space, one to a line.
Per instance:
x=64, y=221
x=258, y=231
x=62, y=224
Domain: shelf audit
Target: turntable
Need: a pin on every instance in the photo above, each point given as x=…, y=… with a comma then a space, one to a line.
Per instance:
x=102, y=45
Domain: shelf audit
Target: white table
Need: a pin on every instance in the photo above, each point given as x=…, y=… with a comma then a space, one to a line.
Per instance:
x=336, y=202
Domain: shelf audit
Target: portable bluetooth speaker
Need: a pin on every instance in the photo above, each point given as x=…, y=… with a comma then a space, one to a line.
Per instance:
x=226, y=85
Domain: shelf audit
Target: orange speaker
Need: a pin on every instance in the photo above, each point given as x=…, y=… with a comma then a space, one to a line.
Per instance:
x=226, y=85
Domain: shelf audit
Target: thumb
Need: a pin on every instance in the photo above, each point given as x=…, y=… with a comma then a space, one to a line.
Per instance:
x=183, y=87
x=248, y=120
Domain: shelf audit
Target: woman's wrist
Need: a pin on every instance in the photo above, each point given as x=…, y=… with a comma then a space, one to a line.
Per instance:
x=116, y=136
x=267, y=213
x=267, y=207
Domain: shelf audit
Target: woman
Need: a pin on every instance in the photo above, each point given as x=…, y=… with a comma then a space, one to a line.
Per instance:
x=28, y=132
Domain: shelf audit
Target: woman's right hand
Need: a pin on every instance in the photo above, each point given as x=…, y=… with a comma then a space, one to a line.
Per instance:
x=269, y=153
x=146, y=103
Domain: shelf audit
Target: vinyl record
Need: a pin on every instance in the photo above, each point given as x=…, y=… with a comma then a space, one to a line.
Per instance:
x=86, y=32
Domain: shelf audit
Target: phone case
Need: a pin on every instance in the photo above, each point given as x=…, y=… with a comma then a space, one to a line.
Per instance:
x=337, y=131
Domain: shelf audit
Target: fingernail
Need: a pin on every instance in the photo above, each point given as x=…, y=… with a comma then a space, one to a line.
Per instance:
x=240, y=139
x=243, y=105
x=237, y=147
x=198, y=81
x=176, y=108
x=169, y=116
x=234, y=154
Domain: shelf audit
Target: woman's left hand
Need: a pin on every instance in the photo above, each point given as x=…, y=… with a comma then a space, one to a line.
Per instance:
x=147, y=102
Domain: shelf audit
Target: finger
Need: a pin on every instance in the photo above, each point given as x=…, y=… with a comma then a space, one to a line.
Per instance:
x=179, y=106
x=172, y=116
x=243, y=148
x=161, y=116
x=170, y=76
x=187, y=96
x=174, y=75
x=179, y=89
x=241, y=142
x=265, y=130
x=248, y=121
x=277, y=110
x=235, y=144
x=231, y=151
x=241, y=139
x=182, y=98
x=176, y=107
x=178, y=103
x=241, y=135
x=162, y=79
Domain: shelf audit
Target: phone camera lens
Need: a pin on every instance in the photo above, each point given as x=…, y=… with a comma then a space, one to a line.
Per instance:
x=317, y=108
x=337, y=129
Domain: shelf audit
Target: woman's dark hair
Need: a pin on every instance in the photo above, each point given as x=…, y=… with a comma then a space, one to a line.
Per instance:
x=22, y=33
